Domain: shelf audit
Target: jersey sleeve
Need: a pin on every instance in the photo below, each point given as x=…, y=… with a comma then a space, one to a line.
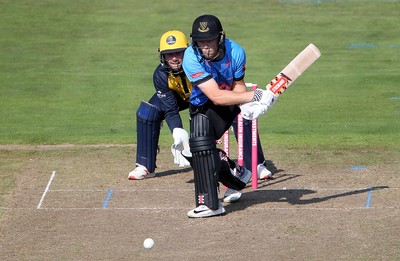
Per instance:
x=194, y=71
x=239, y=57
x=169, y=104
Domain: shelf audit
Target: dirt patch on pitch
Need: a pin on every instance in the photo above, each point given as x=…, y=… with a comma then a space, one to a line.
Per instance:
x=75, y=203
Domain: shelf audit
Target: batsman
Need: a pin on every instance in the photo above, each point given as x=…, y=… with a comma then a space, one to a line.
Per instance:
x=215, y=65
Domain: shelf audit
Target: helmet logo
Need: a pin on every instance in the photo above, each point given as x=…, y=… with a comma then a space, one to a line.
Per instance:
x=171, y=40
x=203, y=27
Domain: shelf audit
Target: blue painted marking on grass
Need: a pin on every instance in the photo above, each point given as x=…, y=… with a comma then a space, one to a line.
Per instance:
x=369, y=196
x=395, y=98
x=369, y=46
x=299, y=1
x=357, y=168
x=105, y=203
x=361, y=45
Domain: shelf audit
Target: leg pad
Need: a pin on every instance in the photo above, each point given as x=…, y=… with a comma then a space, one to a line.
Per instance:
x=148, y=125
x=205, y=161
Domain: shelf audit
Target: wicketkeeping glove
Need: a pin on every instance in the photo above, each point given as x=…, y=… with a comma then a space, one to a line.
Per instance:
x=180, y=136
x=181, y=142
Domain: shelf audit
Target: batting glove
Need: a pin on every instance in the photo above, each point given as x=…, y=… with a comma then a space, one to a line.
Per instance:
x=253, y=110
x=266, y=97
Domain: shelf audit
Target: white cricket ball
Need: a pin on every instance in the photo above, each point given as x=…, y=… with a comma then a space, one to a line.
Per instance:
x=148, y=243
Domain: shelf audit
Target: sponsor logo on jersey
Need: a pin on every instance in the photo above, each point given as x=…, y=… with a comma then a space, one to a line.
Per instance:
x=195, y=75
x=161, y=95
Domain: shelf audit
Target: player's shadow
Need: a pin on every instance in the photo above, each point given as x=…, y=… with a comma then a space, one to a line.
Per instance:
x=277, y=179
x=174, y=171
x=291, y=196
x=270, y=166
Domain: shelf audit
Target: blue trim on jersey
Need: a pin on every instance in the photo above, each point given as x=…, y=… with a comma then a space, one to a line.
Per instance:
x=224, y=71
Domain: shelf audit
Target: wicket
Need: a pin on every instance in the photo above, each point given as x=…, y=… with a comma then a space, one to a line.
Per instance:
x=254, y=151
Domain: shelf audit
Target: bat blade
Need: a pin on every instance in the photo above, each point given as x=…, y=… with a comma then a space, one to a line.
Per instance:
x=294, y=69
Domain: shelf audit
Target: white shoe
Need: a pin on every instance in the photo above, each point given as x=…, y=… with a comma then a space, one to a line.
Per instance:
x=244, y=176
x=263, y=172
x=203, y=211
x=232, y=195
x=140, y=172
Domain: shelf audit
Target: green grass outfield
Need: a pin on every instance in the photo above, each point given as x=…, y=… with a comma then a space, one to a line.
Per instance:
x=75, y=71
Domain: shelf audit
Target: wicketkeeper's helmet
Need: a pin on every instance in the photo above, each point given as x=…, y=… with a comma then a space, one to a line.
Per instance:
x=171, y=42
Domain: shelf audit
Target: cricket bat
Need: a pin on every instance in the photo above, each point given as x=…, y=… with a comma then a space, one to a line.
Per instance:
x=294, y=69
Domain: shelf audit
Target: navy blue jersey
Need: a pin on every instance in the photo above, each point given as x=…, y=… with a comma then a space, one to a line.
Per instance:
x=172, y=92
x=225, y=71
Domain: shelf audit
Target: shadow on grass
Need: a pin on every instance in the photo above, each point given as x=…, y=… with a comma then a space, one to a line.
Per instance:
x=291, y=196
x=173, y=172
x=276, y=180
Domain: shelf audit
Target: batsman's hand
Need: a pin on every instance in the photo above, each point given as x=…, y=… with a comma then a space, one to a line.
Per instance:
x=252, y=110
x=181, y=142
x=266, y=97
x=262, y=102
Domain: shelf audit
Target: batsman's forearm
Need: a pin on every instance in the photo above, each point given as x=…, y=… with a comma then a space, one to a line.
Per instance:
x=227, y=98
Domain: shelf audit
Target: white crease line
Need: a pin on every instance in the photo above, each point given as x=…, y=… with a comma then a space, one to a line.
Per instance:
x=119, y=190
x=266, y=188
x=39, y=206
x=173, y=208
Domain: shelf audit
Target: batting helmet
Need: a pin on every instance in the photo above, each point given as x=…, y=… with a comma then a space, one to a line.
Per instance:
x=206, y=27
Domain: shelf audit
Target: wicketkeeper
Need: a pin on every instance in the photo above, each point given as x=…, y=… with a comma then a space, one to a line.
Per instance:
x=172, y=96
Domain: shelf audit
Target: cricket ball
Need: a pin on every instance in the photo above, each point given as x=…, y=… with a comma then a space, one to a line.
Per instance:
x=148, y=243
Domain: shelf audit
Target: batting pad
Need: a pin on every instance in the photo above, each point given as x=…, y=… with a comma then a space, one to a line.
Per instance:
x=148, y=127
x=205, y=162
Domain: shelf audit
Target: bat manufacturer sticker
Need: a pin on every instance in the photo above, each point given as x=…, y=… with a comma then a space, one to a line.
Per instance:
x=279, y=84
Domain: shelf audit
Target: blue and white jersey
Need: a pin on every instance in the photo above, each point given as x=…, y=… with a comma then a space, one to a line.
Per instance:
x=225, y=71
